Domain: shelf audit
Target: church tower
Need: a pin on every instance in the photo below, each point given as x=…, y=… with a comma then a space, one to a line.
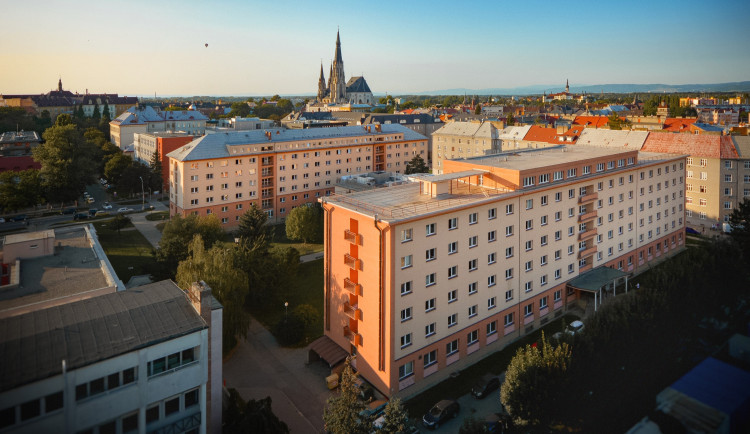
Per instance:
x=567, y=86
x=337, y=83
x=59, y=85
x=321, y=84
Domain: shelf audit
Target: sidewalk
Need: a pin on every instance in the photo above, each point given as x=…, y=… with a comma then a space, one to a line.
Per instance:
x=147, y=227
x=259, y=367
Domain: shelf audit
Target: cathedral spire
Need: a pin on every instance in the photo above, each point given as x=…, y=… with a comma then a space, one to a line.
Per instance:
x=321, y=84
x=338, y=57
x=59, y=84
x=567, y=86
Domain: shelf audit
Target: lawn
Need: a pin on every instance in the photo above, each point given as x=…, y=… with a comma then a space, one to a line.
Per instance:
x=129, y=252
x=305, y=288
x=158, y=216
x=278, y=238
x=496, y=363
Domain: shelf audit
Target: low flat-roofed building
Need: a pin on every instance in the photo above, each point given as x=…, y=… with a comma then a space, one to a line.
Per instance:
x=427, y=278
x=52, y=267
x=146, y=359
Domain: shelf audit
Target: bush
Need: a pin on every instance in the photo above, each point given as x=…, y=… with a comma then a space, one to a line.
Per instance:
x=306, y=313
x=289, y=330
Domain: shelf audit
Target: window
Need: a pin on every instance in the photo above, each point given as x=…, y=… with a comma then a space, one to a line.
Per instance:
x=451, y=347
x=558, y=273
x=430, y=358
x=429, y=305
x=528, y=309
x=529, y=203
x=429, y=280
x=509, y=209
x=529, y=224
x=473, y=311
x=406, y=235
x=473, y=241
x=509, y=295
x=405, y=370
x=452, y=319
x=472, y=218
x=509, y=252
x=452, y=272
x=509, y=273
x=452, y=296
x=543, y=220
x=491, y=303
x=529, y=265
x=406, y=314
x=430, y=229
x=452, y=247
x=452, y=223
x=430, y=254
x=406, y=261
x=429, y=330
x=491, y=258
x=491, y=236
x=472, y=288
x=509, y=231
x=173, y=361
x=472, y=337
x=508, y=320
x=406, y=340
x=491, y=213
x=152, y=414
x=491, y=328
x=406, y=288
x=543, y=280
x=491, y=280
x=528, y=286
x=472, y=265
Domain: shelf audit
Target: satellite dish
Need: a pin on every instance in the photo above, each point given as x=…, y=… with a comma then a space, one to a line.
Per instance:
x=206, y=45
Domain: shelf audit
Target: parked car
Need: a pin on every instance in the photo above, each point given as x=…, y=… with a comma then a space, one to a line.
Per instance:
x=69, y=211
x=90, y=200
x=574, y=328
x=18, y=218
x=107, y=205
x=439, y=413
x=485, y=386
x=373, y=409
x=409, y=428
x=124, y=210
x=2, y=220
x=92, y=211
x=101, y=213
x=81, y=216
x=365, y=392
x=498, y=422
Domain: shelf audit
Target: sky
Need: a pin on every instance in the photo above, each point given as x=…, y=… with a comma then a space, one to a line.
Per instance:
x=269, y=47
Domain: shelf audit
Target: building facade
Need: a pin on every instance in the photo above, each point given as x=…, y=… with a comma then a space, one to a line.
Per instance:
x=280, y=169
x=424, y=279
x=146, y=119
x=146, y=145
x=15, y=150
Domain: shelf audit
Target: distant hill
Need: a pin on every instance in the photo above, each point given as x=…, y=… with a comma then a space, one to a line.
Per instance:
x=739, y=86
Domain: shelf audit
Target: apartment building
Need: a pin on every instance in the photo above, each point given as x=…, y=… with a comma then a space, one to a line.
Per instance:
x=15, y=150
x=146, y=145
x=280, y=169
x=146, y=119
x=424, y=279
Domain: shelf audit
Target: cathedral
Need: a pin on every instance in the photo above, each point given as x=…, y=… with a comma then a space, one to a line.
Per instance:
x=338, y=90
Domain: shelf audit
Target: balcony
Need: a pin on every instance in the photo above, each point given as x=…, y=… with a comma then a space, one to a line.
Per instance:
x=586, y=252
x=379, y=150
x=587, y=234
x=352, y=311
x=588, y=198
x=353, y=337
x=352, y=237
x=352, y=262
x=353, y=288
x=585, y=268
x=587, y=216
x=266, y=162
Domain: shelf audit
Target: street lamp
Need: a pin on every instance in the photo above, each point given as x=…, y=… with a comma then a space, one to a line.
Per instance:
x=286, y=309
x=143, y=195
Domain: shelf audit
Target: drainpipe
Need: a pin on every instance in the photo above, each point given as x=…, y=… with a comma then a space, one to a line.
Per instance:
x=327, y=267
x=381, y=340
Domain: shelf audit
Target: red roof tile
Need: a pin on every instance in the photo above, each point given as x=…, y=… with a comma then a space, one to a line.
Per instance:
x=541, y=134
x=591, y=121
x=678, y=125
x=698, y=145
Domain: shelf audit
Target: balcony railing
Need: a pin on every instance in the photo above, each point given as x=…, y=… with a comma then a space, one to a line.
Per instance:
x=351, y=261
x=353, y=288
x=352, y=237
x=352, y=311
x=588, y=197
x=587, y=234
x=587, y=252
x=587, y=216
x=353, y=337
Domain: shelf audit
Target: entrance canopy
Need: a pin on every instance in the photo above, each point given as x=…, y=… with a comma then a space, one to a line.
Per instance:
x=594, y=279
x=328, y=350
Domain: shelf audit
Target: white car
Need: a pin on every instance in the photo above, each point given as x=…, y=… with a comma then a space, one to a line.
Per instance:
x=107, y=205
x=575, y=327
x=124, y=210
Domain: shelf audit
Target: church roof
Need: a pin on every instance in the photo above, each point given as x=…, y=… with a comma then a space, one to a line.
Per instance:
x=357, y=84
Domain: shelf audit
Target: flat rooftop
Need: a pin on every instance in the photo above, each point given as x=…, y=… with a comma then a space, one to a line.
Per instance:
x=74, y=268
x=538, y=158
x=84, y=332
x=406, y=201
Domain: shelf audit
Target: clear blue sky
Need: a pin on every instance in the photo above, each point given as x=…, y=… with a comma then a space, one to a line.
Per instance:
x=139, y=47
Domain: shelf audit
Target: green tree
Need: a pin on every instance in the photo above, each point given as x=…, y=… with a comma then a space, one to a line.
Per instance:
x=510, y=120
x=305, y=223
x=396, y=417
x=614, y=121
x=472, y=425
x=79, y=112
x=416, y=165
x=533, y=381
x=96, y=115
x=157, y=177
x=307, y=314
x=116, y=166
x=242, y=417
x=177, y=235
x=478, y=109
x=239, y=109
x=66, y=160
x=219, y=268
x=105, y=113
x=20, y=190
x=63, y=120
x=120, y=221
x=275, y=98
x=739, y=221
x=341, y=413
x=253, y=225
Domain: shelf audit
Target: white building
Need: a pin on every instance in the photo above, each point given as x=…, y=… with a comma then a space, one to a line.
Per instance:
x=149, y=120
